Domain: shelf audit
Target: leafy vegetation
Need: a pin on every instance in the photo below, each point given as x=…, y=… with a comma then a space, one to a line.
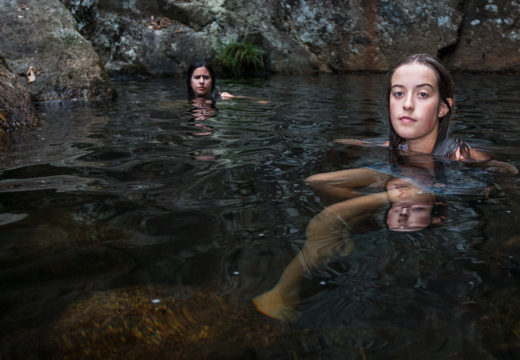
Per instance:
x=240, y=58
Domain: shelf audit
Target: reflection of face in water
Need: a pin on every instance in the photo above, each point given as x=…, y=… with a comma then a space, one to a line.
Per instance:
x=412, y=204
x=411, y=208
x=202, y=110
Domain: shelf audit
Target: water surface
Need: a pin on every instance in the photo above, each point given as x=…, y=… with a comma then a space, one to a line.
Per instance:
x=138, y=193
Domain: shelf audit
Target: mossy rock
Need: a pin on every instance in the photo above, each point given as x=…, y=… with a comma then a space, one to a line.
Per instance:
x=147, y=322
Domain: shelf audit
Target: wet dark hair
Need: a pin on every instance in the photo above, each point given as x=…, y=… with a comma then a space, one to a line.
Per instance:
x=446, y=90
x=189, y=73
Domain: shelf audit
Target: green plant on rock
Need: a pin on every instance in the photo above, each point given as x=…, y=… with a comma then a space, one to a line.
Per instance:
x=240, y=58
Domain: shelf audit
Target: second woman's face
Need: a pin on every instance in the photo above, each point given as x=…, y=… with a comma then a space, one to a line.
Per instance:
x=201, y=82
x=415, y=105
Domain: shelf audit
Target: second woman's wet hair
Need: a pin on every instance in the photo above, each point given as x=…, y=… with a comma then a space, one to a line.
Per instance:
x=446, y=90
x=189, y=73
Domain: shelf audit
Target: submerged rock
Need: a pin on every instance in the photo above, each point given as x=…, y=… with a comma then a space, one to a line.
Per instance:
x=148, y=322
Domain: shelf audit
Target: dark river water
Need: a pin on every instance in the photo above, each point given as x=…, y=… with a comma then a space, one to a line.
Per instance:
x=144, y=194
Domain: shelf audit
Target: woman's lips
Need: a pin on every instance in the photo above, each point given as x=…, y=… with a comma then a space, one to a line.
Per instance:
x=406, y=119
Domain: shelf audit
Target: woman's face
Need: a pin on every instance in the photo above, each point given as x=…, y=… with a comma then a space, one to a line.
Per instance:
x=415, y=105
x=201, y=82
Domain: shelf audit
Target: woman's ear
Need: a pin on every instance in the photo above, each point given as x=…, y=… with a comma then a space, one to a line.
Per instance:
x=444, y=109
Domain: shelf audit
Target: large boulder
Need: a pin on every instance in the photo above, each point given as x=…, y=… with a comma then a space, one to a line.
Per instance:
x=157, y=38
x=489, y=37
x=161, y=37
x=16, y=108
x=372, y=35
x=43, y=35
x=164, y=37
x=301, y=36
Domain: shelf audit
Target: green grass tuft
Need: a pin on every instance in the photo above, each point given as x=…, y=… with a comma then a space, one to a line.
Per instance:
x=241, y=58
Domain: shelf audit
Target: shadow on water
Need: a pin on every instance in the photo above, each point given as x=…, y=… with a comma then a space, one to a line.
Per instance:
x=143, y=228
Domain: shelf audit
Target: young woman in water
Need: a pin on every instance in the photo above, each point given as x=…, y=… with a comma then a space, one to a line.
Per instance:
x=420, y=101
x=202, y=93
x=201, y=85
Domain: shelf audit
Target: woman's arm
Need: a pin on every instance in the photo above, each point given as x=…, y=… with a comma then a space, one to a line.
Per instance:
x=484, y=160
x=344, y=183
x=358, y=142
x=226, y=96
x=327, y=236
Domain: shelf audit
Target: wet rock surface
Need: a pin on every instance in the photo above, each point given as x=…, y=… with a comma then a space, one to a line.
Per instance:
x=16, y=107
x=301, y=37
x=43, y=35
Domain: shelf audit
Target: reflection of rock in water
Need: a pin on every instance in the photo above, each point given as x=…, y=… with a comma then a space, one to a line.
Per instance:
x=139, y=323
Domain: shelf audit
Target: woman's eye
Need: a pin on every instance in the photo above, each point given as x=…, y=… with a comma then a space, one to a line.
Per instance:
x=423, y=94
x=398, y=93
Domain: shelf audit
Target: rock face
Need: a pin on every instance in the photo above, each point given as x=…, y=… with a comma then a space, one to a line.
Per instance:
x=301, y=36
x=371, y=35
x=489, y=37
x=143, y=37
x=43, y=34
x=16, y=108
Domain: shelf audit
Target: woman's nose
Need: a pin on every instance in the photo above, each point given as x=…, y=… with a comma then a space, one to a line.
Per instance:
x=408, y=102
